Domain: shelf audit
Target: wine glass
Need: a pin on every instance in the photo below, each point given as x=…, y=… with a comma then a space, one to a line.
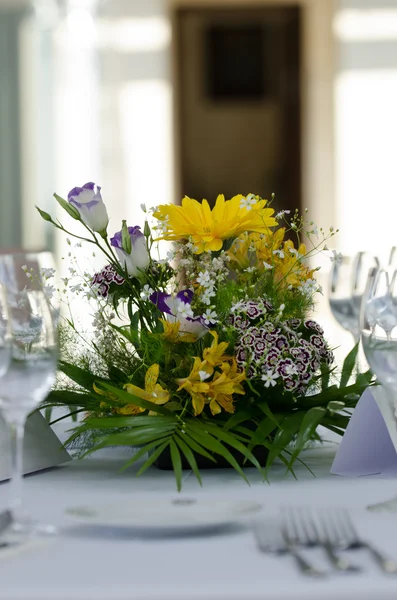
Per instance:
x=348, y=279
x=31, y=370
x=379, y=340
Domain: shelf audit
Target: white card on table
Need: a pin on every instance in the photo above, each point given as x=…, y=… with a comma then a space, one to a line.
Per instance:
x=42, y=448
x=369, y=445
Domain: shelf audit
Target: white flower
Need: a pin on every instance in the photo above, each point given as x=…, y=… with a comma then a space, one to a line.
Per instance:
x=210, y=317
x=76, y=289
x=270, y=378
x=184, y=311
x=281, y=308
x=309, y=287
x=280, y=214
x=203, y=278
x=336, y=257
x=267, y=266
x=293, y=251
x=278, y=253
x=250, y=269
x=203, y=375
x=248, y=202
x=143, y=207
x=290, y=370
x=47, y=273
x=49, y=291
x=146, y=292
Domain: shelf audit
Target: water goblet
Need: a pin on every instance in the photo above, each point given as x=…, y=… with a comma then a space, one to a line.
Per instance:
x=31, y=370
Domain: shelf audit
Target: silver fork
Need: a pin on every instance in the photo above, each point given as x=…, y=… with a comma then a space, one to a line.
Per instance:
x=271, y=539
x=312, y=531
x=348, y=539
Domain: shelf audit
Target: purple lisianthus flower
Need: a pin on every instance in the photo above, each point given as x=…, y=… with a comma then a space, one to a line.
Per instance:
x=138, y=260
x=177, y=308
x=90, y=205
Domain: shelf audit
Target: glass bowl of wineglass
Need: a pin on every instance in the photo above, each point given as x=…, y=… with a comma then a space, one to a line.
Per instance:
x=31, y=369
x=378, y=322
x=348, y=279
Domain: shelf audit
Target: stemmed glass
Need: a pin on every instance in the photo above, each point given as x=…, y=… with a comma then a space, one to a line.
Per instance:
x=379, y=339
x=32, y=367
x=348, y=279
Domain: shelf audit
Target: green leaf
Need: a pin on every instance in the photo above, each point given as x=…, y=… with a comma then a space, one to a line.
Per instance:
x=117, y=375
x=80, y=376
x=266, y=410
x=309, y=424
x=47, y=413
x=230, y=440
x=212, y=444
x=348, y=366
x=129, y=438
x=197, y=448
x=183, y=445
x=176, y=464
x=264, y=429
x=141, y=452
x=131, y=421
x=70, y=398
x=152, y=457
x=236, y=419
x=288, y=429
x=70, y=209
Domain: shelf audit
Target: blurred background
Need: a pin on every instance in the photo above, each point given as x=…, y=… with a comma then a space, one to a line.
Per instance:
x=155, y=99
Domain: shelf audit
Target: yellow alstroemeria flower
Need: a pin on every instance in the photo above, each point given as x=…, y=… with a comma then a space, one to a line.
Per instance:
x=196, y=384
x=209, y=228
x=214, y=355
x=153, y=392
x=223, y=386
x=173, y=334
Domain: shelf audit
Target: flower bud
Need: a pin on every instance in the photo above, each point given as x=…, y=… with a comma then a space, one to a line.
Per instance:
x=89, y=206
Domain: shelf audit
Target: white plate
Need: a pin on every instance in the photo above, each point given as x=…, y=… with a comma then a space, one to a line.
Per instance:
x=168, y=515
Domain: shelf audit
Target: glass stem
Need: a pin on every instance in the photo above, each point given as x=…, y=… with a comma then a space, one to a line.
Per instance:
x=17, y=430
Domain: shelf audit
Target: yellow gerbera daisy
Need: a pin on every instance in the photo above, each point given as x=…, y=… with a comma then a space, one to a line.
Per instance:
x=207, y=228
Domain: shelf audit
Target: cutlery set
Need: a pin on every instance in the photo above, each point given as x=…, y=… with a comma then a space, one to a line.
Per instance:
x=331, y=531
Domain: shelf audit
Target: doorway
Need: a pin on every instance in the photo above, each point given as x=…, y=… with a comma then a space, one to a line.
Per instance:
x=239, y=102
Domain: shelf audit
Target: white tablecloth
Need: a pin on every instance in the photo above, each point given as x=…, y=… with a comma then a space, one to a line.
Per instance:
x=84, y=563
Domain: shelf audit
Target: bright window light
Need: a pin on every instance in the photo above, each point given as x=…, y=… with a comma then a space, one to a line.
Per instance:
x=146, y=118
x=366, y=25
x=135, y=35
x=366, y=148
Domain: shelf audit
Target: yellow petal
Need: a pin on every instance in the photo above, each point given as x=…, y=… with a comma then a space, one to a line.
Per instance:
x=151, y=377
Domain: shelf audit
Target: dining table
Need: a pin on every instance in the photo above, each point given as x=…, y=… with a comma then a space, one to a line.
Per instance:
x=86, y=561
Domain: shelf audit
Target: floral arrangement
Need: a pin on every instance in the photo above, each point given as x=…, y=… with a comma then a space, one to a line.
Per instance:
x=210, y=354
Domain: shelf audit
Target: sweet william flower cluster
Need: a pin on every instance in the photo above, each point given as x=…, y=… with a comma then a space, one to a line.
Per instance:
x=210, y=351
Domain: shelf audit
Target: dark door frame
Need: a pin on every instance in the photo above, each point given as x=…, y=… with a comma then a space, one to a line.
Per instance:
x=292, y=156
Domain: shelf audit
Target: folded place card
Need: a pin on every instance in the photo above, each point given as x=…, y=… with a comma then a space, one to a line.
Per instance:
x=42, y=448
x=369, y=445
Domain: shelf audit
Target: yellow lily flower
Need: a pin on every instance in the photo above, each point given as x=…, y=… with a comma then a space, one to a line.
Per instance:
x=173, y=334
x=223, y=386
x=214, y=355
x=209, y=228
x=196, y=384
x=153, y=392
